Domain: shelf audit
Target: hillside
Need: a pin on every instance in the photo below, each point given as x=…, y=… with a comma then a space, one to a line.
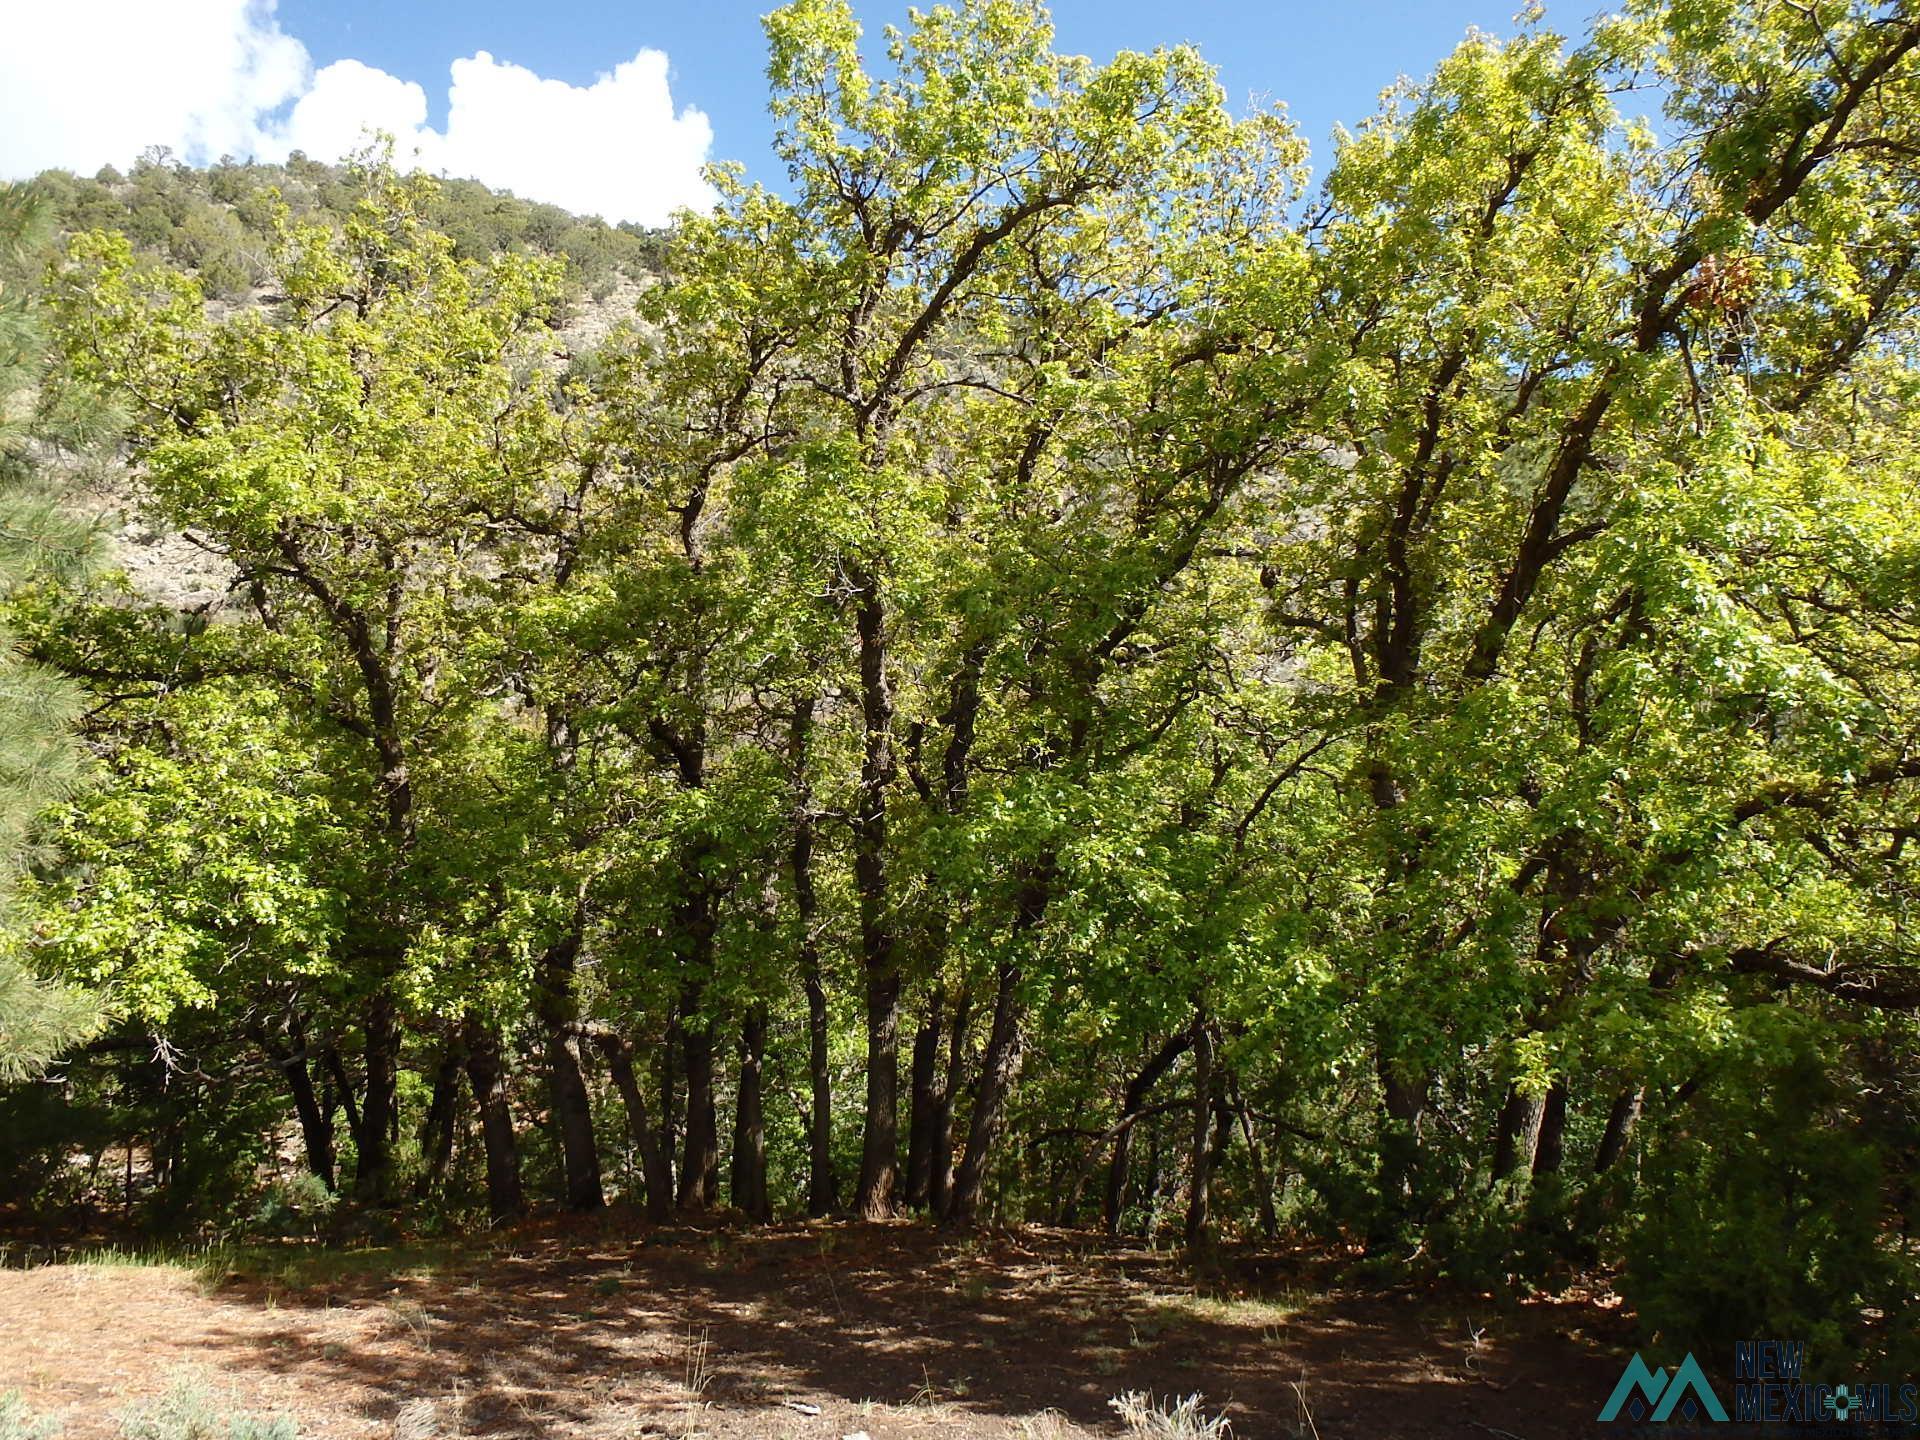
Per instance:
x=214, y=221
x=215, y=224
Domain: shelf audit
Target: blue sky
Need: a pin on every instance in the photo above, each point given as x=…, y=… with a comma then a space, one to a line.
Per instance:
x=1328, y=61
x=604, y=108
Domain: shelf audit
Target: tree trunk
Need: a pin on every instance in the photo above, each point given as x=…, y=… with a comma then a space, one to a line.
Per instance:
x=1001, y=1063
x=1120, y=1167
x=997, y=1070
x=880, y=1138
x=1200, y=1188
x=700, y=1157
x=667, y=1082
x=1550, y=1152
x=696, y=922
x=1404, y=1105
x=1621, y=1120
x=380, y=1110
x=567, y=1085
x=316, y=1120
x=961, y=718
x=1516, y=1133
x=336, y=1070
x=940, y=1177
x=436, y=1132
x=486, y=1076
x=654, y=1166
x=822, y=1188
x=880, y=1133
x=1262, y=1182
x=373, y=1175
x=921, y=1110
x=749, y=1183
x=573, y=1116
x=1156, y=1173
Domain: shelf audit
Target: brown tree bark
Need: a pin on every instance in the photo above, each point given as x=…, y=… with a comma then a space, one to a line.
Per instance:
x=1001, y=1063
x=748, y=1190
x=880, y=1136
x=940, y=1171
x=998, y=1067
x=379, y=1111
x=567, y=1085
x=436, y=1131
x=1516, y=1133
x=487, y=1078
x=1256, y=1159
x=1403, y=1109
x=289, y=1057
x=342, y=1091
x=1622, y=1117
x=655, y=1169
x=1551, y=1150
x=700, y=1153
x=666, y=1074
x=1120, y=1166
x=921, y=1106
x=1203, y=1154
x=822, y=1186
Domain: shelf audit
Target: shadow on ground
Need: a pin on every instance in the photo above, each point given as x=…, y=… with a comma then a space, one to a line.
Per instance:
x=895, y=1329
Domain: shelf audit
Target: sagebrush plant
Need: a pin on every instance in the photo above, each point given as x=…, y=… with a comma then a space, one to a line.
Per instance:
x=189, y=1410
x=1171, y=1419
x=17, y=1422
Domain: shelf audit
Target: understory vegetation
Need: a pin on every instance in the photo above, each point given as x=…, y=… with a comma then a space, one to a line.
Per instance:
x=188, y=1410
x=1057, y=667
x=218, y=222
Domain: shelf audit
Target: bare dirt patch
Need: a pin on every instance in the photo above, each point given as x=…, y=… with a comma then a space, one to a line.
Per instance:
x=810, y=1332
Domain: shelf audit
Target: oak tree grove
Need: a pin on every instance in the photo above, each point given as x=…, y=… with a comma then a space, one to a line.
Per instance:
x=1065, y=664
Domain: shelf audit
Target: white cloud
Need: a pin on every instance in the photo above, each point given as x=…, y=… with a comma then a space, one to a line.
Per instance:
x=345, y=101
x=86, y=83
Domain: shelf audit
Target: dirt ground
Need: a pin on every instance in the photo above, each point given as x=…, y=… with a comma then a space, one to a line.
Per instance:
x=814, y=1332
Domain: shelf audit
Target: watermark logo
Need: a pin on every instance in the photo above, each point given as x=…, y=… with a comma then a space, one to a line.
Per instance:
x=1769, y=1387
x=1685, y=1393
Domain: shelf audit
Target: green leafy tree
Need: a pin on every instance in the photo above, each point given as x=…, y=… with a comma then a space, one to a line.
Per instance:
x=344, y=457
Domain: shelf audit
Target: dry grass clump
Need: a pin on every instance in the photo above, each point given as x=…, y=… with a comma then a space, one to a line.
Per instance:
x=1173, y=1419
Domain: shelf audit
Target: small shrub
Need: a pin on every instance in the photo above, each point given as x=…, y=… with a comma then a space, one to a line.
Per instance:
x=17, y=1422
x=188, y=1411
x=1170, y=1420
x=1046, y=1425
x=296, y=1205
x=417, y=1420
x=1764, y=1216
x=1518, y=1237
